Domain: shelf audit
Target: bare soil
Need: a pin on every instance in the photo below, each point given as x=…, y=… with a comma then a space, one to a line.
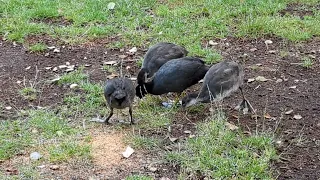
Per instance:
x=289, y=87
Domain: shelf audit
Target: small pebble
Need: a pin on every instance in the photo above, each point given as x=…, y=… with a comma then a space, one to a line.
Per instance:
x=35, y=156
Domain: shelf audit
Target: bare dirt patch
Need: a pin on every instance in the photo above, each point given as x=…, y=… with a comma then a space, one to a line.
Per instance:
x=289, y=87
x=107, y=149
x=297, y=9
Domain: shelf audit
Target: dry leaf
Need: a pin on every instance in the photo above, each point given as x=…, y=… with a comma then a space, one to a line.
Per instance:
x=133, y=50
x=268, y=42
x=288, y=112
x=128, y=152
x=297, y=116
x=267, y=116
x=27, y=68
x=72, y=86
x=173, y=139
x=110, y=62
x=112, y=76
x=261, y=79
x=230, y=126
x=122, y=56
x=251, y=80
x=213, y=43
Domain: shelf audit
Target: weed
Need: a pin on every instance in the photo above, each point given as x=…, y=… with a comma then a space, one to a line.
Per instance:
x=307, y=62
x=39, y=47
x=29, y=93
x=108, y=68
x=76, y=76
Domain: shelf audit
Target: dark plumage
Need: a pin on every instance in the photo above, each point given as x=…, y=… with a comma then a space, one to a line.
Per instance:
x=174, y=76
x=156, y=56
x=219, y=82
x=119, y=94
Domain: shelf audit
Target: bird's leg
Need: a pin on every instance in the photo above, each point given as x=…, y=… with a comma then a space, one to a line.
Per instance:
x=176, y=101
x=107, y=119
x=131, y=118
x=245, y=104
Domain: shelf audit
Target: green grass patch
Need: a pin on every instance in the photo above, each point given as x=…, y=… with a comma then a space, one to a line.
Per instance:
x=77, y=76
x=14, y=137
x=137, y=23
x=67, y=150
x=38, y=47
x=219, y=153
x=142, y=142
x=151, y=113
x=138, y=177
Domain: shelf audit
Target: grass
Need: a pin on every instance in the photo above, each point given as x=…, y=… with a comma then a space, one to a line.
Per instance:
x=141, y=23
x=219, y=153
x=38, y=47
x=76, y=76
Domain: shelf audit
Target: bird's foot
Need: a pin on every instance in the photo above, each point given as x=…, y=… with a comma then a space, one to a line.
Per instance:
x=246, y=107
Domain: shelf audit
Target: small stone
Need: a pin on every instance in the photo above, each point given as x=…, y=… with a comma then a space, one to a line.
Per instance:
x=87, y=65
x=187, y=132
x=85, y=58
x=133, y=50
x=48, y=68
x=272, y=51
x=55, y=69
x=251, y=80
x=297, y=117
x=279, y=80
x=8, y=108
x=34, y=131
x=41, y=166
x=253, y=49
x=35, y=156
x=318, y=125
x=289, y=112
x=312, y=56
x=19, y=82
x=56, y=50
x=192, y=136
x=47, y=54
x=292, y=87
x=152, y=169
x=122, y=56
x=72, y=86
x=63, y=66
x=268, y=42
x=230, y=126
x=164, y=178
x=69, y=70
x=51, y=47
x=173, y=139
x=67, y=63
x=261, y=78
x=54, y=167
x=213, y=43
x=27, y=68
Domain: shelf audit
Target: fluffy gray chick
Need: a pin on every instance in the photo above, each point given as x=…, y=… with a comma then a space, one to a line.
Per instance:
x=119, y=93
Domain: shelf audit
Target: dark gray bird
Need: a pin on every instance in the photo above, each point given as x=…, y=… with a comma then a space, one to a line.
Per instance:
x=220, y=81
x=156, y=56
x=119, y=94
x=174, y=76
